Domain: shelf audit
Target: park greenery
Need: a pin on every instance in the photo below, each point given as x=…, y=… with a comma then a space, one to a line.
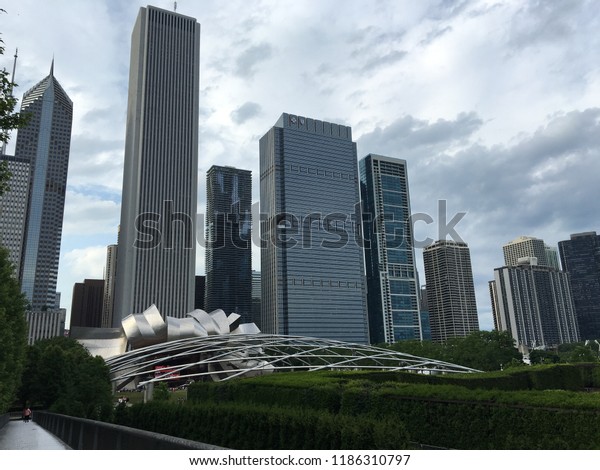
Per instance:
x=62, y=376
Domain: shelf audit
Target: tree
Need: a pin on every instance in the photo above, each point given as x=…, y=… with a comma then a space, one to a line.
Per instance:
x=483, y=350
x=62, y=376
x=13, y=332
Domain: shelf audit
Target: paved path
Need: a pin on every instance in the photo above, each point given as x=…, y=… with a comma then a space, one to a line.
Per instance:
x=17, y=435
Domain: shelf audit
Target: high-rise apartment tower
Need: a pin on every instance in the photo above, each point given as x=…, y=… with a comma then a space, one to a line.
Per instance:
x=312, y=268
x=157, y=246
x=580, y=257
x=450, y=290
x=392, y=286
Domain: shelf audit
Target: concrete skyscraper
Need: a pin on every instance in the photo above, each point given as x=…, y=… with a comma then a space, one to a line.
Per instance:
x=228, y=241
x=450, y=290
x=580, y=257
x=392, y=286
x=13, y=209
x=526, y=247
x=157, y=246
x=534, y=304
x=45, y=143
x=312, y=268
x=110, y=277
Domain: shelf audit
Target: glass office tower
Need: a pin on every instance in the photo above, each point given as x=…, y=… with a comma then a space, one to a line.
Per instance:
x=392, y=285
x=312, y=268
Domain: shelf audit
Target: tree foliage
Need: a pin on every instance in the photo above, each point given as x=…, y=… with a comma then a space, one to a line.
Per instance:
x=13, y=332
x=482, y=350
x=62, y=376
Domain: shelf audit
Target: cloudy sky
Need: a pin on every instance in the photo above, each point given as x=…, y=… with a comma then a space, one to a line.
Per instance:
x=495, y=105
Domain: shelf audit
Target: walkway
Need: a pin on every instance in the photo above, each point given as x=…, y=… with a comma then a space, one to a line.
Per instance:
x=17, y=435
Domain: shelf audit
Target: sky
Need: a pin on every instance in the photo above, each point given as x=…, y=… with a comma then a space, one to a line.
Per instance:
x=495, y=106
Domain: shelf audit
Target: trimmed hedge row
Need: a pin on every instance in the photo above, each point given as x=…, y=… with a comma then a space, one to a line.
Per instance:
x=244, y=426
x=438, y=415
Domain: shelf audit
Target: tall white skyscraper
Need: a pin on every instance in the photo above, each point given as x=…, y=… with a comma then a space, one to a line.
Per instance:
x=312, y=268
x=157, y=246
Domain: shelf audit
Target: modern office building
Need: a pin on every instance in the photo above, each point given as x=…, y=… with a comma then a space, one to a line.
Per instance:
x=13, y=209
x=45, y=143
x=200, y=292
x=534, y=304
x=87, y=303
x=312, y=268
x=392, y=285
x=450, y=290
x=256, y=300
x=580, y=257
x=157, y=246
x=525, y=247
x=45, y=324
x=228, y=241
x=424, y=312
x=552, y=257
x=110, y=276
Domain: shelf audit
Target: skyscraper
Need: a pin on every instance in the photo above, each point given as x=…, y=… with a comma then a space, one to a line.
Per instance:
x=392, y=287
x=534, y=304
x=13, y=209
x=228, y=241
x=156, y=262
x=110, y=278
x=45, y=142
x=312, y=268
x=525, y=247
x=450, y=290
x=87, y=303
x=580, y=257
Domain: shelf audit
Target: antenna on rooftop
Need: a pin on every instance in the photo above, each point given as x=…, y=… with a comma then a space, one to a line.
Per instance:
x=174, y=6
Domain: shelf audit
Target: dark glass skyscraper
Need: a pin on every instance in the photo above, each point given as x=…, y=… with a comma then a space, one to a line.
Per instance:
x=392, y=287
x=312, y=268
x=229, y=244
x=580, y=257
x=157, y=245
x=45, y=142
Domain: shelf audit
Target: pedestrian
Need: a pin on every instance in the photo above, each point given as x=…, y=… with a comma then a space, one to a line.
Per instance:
x=26, y=414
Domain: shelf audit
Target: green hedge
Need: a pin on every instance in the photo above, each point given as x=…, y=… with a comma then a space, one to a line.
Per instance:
x=244, y=426
x=442, y=414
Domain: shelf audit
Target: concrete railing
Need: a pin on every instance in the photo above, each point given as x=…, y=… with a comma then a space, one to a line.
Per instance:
x=85, y=434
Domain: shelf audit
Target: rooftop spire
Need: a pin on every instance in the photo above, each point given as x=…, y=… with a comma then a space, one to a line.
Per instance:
x=52, y=66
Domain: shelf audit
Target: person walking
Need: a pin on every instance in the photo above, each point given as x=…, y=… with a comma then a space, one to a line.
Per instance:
x=26, y=414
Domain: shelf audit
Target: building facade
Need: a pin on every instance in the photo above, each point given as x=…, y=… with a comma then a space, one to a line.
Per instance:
x=450, y=290
x=110, y=276
x=392, y=285
x=45, y=143
x=45, y=324
x=13, y=209
x=580, y=257
x=228, y=241
x=157, y=246
x=534, y=304
x=525, y=247
x=312, y=268
x=87, y=303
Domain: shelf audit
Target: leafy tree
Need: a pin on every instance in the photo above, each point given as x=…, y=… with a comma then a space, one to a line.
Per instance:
x=483, y=350
x=581, y=353
x=161, y=392
x=13, y=332
x=62, y=376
